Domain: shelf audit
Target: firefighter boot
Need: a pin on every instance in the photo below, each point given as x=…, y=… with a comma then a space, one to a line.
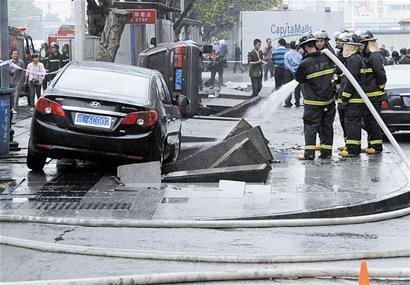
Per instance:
x=346, y=153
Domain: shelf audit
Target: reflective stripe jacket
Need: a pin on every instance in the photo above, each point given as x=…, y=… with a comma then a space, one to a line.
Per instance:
x=315, y=72
x=354, y=64
x=374, y=75
x=54, y=62
x=64, y=59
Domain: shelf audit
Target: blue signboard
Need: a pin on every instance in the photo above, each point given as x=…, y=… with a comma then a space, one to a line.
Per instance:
x=178, y=79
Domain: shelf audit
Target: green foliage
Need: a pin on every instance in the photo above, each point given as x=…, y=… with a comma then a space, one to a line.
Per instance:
x=23, y=13
x=219, y=16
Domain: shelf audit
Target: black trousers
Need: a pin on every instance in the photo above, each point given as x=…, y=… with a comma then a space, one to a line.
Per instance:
x=220, y=71
x=374, y=132
x=318, y=120
x=354, y=115
x=342, y=115
x=279, y=76
x=35, y=91
x=289, y=76
x=256, y=85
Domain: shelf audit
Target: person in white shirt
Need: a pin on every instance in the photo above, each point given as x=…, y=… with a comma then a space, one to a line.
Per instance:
x=34, y=78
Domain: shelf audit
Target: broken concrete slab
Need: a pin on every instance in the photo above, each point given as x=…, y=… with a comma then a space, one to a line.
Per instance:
x=243, y=153
x=205, y=158
x=137, y=175
x=220, y=104
x=242, y=126
x=213, y=118
x=226, y=92
x=246, y=173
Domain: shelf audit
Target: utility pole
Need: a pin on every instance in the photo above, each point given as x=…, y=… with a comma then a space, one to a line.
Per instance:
x=4, y=43
x=79, y=40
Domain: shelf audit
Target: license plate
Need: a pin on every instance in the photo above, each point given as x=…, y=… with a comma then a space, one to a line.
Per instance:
x=406, y=100
x=95, y=121
x=178, y=79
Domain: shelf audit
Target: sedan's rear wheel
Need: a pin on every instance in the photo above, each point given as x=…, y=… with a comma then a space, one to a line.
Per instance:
x=35, y=161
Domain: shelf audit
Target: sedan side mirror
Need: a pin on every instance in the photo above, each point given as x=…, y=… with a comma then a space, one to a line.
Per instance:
x=182, y=100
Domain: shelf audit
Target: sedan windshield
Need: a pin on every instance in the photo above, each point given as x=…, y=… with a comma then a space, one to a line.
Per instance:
x=105, y=83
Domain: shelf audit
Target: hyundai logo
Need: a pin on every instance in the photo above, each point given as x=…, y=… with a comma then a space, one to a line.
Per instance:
x=95, y=104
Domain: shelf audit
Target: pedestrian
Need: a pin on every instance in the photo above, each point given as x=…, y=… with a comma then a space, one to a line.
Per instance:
x=267, y=56
x=315, y=72
x=278, y=61
x=385, y=55
x=354, y=107
x=53, y=63
x=238, y=59
x=255, y=62
x=322, y=41
x=375, y=81
x=16, y=79
x=34, y=78
x=292, y=61
x=395, y=56
x=216, y=67
x=405, y=56
x=65, y=55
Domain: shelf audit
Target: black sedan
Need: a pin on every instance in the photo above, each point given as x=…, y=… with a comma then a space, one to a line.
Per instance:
x=105, y=111
x=395, y=111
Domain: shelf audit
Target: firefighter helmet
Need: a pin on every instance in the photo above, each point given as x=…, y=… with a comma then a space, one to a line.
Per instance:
x=350, y=38
x=305, y=38
x=365, y=36
x=322, y=34
x=54, y=45
x=336, y=35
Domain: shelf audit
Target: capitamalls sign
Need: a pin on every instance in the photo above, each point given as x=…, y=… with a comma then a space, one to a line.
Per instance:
x=290, y=30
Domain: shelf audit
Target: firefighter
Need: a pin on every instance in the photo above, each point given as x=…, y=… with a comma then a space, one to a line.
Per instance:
x=53, y=63
x=322, y=40
x=337, y=83
x=44, y=54
x=354, y=105
x=65, y=57
x=315, y=73
x=375, y=81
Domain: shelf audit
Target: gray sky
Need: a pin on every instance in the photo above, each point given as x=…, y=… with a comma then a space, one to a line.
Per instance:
x=60, y=7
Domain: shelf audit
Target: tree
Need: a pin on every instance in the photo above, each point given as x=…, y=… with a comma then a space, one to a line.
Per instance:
x=97, y=12
x=111, y=36
x=23, y=13
x=219, y=16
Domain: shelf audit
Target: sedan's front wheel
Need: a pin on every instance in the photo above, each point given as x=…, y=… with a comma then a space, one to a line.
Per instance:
x=35, y=161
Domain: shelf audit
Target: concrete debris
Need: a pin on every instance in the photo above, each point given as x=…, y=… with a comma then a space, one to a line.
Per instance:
x=248, y=173
x=139, y=175
x=207, y=158
x=242, y=126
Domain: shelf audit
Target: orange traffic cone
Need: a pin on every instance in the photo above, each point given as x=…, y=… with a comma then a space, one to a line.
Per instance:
x=364, y=274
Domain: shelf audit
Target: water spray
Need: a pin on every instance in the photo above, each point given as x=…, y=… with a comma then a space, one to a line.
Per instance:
x=370, y=106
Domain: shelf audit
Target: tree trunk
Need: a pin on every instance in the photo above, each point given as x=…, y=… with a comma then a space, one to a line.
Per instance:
x=178, y=24
x=111, y=36
x=96, y=15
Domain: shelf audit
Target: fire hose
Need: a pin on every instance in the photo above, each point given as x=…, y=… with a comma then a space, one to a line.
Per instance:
x=371, y=108
x=207, y=276
x=197, y=257
x=220, y=224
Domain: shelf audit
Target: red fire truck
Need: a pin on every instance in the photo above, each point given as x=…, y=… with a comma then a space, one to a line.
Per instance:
x=21, y=41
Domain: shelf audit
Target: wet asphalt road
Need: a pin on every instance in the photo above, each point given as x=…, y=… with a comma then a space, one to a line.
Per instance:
x=65, y=175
